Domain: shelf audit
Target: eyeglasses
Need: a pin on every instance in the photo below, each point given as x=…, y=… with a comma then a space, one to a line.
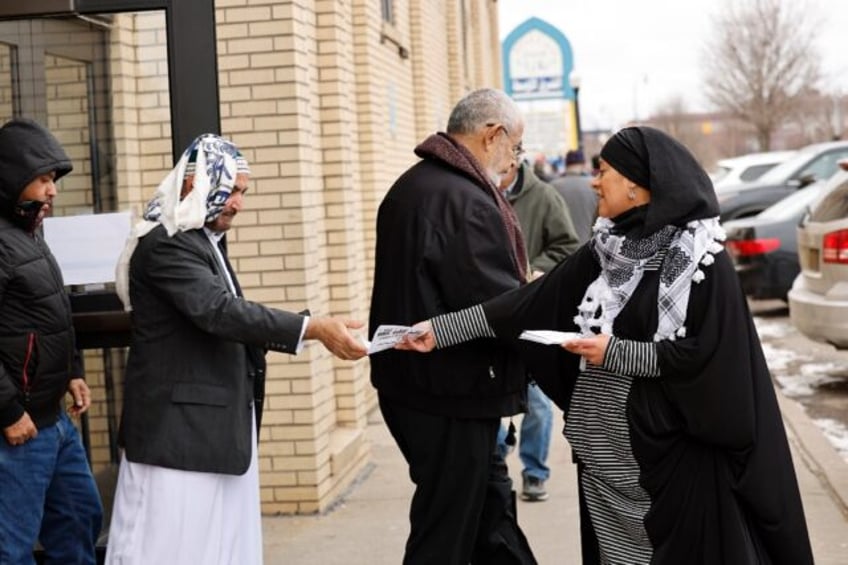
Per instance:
x=518, y=148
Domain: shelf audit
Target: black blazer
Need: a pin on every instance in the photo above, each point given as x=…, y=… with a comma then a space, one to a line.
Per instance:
x=189, y=385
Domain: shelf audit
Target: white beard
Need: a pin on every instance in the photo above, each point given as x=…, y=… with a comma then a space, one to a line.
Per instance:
x=494, y=177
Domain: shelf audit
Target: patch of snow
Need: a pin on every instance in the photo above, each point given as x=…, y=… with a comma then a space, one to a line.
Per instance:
x=811, y=377
x=837, y=433
x=778, y=359
x=817, y=369
x=769, y=329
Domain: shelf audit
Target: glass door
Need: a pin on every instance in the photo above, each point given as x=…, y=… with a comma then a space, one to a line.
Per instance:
x=54, y=71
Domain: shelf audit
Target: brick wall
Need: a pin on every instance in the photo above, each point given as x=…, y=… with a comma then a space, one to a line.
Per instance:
x=327, y=102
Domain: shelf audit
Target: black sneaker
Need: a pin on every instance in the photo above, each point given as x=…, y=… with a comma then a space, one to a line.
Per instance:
x=534, y=490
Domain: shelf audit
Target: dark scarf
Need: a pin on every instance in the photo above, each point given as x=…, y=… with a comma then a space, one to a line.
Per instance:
x=442, y=147
x=25, y=215
x=680, y=189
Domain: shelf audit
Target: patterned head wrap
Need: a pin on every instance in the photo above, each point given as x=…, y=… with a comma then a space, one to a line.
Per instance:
x=213, y=162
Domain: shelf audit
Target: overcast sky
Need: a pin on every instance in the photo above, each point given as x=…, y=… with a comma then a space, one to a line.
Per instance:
x=633, y=56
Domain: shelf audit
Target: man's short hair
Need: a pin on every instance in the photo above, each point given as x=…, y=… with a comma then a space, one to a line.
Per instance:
x=574, y=157
x=483, y=107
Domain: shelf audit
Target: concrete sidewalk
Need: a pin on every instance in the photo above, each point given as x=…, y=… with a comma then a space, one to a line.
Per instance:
x=369, y=525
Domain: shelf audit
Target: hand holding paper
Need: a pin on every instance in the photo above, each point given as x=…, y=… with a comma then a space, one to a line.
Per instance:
x=593, y=349
x=387, y=336
x=421, y=339
x=548, y=337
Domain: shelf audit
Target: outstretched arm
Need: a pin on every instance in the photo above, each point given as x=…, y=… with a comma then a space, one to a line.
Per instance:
x=449, y=329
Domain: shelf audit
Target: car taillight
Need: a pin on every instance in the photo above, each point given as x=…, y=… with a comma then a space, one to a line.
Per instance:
x=835, y=247
x=748, y=247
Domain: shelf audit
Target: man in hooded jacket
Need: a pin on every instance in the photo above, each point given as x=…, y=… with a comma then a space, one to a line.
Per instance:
x=550, y=237
x=48, y=491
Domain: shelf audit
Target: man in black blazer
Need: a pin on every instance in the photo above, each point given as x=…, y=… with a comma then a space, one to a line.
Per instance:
x=188, y=487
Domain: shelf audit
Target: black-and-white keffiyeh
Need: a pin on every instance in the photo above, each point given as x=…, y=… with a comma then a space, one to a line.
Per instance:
x=623, y=263
x=214, y=162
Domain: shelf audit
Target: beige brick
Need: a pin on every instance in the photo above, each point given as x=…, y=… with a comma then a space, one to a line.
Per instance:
x=270, y=28
x=249, y=45
x=328, y=118
x=225, y=31
x=248, y=14
x=230, y=62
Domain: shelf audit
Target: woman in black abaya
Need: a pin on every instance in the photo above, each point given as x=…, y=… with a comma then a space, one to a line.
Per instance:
x=669, y=406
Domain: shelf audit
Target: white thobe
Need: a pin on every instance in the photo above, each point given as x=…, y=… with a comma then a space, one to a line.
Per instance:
x=172, y=517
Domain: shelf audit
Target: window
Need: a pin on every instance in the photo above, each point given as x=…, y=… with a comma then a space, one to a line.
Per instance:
x=755, y=171
x=834, y=205
x=824, y=166
x=387, y=8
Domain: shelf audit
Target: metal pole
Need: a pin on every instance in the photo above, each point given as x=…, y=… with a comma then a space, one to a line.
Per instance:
x=577, y=118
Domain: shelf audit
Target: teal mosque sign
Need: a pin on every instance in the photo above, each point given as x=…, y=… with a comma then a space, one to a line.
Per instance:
x=537, y=60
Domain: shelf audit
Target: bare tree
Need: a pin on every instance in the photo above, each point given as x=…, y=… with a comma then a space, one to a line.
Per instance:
x=817, y=117
x=692, y=130
x=760, y=62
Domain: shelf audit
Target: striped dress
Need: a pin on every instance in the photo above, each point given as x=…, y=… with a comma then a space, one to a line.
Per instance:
x=598, y=430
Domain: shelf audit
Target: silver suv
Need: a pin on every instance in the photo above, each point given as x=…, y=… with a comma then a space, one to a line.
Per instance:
x=818, y=300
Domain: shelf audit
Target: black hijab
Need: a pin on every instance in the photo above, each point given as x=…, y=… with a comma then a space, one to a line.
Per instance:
x=680, y=189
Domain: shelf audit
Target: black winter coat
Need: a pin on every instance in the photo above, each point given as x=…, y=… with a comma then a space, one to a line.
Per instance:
x=442, y=246
x=37, y=355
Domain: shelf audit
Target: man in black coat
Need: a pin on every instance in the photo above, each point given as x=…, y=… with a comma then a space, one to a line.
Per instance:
x=188, y=487
x=47, y=492
x=447, y=239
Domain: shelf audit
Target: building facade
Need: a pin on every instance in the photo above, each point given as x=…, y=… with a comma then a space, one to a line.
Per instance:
x=326, y=98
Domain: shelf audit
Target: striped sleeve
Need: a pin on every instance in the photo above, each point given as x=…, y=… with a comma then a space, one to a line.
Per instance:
x=461, y=326
x=632, y=358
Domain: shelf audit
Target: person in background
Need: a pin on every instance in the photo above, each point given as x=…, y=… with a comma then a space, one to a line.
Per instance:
x=596, y=164
x=549, y=236
x=669, y=404
x=47, y=492
x=575, y=186
x=541, y=168
x=188, y=484
x=446, y=239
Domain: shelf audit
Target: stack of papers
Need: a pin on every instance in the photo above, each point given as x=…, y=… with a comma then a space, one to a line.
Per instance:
x=548, y=337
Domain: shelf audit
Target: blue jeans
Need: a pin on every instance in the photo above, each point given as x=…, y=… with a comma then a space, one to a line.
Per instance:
x=535, y=436
x=49, y=495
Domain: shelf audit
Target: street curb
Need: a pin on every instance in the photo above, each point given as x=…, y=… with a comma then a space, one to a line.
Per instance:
x=816, y=451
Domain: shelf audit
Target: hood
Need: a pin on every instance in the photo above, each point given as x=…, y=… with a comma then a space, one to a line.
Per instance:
x=27, y=150
x=527, y=182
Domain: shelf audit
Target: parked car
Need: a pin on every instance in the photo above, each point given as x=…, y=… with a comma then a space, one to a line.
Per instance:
x=745, y=168
x=818, y=300
x=764, y=248
x=809, y=164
